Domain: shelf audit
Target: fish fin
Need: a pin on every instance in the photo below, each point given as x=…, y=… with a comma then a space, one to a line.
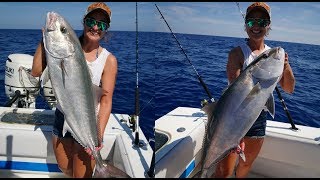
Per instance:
x=211, y=169
x=33, y=80
x=209, y=108
x=45, y=77
x=247, y=102
x=65, y=128
x=255, y=90
x=270, y=105
x=242, y=155
x=64, y=73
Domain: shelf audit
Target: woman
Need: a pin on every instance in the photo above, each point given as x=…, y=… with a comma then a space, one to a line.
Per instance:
x=257, y=25
x=72, y=158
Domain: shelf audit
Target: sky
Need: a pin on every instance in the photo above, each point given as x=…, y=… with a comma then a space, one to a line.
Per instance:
x=290, y=21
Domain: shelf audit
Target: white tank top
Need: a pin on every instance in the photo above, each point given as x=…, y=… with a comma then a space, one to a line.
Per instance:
x=96, y=66
x=249, y=56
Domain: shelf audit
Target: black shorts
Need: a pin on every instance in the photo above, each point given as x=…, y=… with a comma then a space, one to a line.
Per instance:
x=258, y=128
x=58, y=125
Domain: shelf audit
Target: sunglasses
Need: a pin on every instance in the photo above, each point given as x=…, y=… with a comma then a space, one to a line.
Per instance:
x=103, y=26
x=261, y=22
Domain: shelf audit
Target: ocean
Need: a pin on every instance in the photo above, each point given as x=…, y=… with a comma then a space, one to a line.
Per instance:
x=177, y=83
x=167, y=80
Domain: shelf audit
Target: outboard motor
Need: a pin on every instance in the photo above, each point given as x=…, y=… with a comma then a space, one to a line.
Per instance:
x=20, y=86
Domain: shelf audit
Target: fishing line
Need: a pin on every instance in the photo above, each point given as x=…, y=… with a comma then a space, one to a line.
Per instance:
x=199, y=77
x=240, y=10
x=278, y=91
x=151, y=171
x=145, y=105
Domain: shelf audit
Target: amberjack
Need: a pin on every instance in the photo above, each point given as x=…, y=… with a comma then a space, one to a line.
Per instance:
x=73, y=88
x=230, y=118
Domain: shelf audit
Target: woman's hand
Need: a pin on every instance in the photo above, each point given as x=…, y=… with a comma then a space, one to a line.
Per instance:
x=239, y=148
x=88, y=150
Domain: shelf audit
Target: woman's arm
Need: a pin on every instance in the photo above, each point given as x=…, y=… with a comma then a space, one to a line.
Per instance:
x=108, y=80
x=39, y=61
x=234, y=64
x=287, y=82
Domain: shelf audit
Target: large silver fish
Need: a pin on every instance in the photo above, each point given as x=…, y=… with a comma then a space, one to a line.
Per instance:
x=230, y=118
x=73, y=88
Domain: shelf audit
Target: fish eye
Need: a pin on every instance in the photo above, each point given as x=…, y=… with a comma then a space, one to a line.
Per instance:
x=63, y=29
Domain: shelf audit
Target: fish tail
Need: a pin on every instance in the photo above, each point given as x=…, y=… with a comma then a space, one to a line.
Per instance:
x=100, y=171
x=201, y=174
x=104, y=170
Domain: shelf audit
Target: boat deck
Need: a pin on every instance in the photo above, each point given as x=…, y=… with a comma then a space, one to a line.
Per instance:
x=26, y=149
x=285, y=152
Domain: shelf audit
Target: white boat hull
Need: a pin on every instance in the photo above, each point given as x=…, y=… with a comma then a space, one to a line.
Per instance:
x=285, y=152
x=26, y=149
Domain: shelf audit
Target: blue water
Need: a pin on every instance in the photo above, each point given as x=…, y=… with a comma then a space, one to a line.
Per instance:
x=167, y=80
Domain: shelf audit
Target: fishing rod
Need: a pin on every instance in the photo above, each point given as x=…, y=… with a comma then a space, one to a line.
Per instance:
x=152, y=167
x=278, y=91
x=137, y=105
x=151, y=171
x=134, y=119
x=199, y=77
x=286, y=110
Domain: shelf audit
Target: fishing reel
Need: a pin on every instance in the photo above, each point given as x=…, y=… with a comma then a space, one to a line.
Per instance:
x=134, y=125
x=133, y=122
x=204, y=102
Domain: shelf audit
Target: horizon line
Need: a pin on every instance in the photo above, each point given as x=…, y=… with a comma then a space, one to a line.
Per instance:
x=177, y=33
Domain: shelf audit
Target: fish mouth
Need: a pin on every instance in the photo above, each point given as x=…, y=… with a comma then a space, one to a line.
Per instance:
x=50, y=21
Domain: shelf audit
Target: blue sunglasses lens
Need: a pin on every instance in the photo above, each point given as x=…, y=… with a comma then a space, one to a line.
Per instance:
x=92, y=22
x=261, y=22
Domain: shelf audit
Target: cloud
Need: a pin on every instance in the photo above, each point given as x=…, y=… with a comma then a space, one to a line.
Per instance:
x=297, y=31
x=181, y=11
